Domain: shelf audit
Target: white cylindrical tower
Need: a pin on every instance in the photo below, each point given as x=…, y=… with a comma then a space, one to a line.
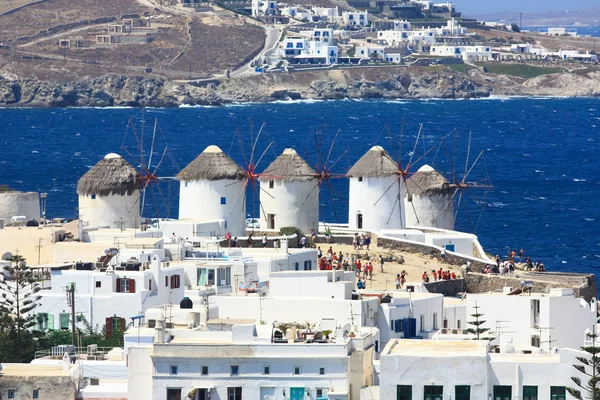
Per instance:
x=210, y=187
x=19, y=204
x=291, y=194
x=431, y=197
x=376, y=193
x=109, y=194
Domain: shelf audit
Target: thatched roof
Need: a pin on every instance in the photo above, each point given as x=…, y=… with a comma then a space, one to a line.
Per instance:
x=112, y=175
x=289, y=167
x=212, y=165
x=427, y=181
x=6, y=188
x=375, y=162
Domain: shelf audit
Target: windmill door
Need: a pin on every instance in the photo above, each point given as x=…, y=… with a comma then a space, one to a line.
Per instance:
x=359, y=221
x=271, y=221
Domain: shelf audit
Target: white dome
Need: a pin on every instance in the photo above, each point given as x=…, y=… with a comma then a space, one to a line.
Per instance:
x=213, y=149
x=111, y=155
x=426, y=168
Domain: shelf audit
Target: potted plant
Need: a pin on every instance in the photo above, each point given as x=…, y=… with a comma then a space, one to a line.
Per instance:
x=351, y=334
x=326, y=333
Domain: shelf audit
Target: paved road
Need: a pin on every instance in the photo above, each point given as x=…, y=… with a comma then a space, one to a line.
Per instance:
x=271, y=42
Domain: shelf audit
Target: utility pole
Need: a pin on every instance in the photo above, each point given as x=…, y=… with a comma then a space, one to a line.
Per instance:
x=71, y=302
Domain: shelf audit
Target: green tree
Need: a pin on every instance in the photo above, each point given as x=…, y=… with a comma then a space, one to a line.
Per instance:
x=477, y=329
x=590, y=366
x=18, y=290
x=515, y=28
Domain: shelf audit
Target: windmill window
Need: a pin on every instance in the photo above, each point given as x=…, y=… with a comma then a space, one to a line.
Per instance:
x=11, y=394
x=223, y=200
x=94, y=196
x=36, y=393
x=271, y=184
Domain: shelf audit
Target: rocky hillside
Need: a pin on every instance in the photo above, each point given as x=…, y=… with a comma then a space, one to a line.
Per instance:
x=381, y=82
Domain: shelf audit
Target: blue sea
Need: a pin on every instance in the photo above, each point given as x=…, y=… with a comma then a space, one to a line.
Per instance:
x=541, y=155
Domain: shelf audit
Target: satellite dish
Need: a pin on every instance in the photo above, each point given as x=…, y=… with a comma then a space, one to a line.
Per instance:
x=7, y=256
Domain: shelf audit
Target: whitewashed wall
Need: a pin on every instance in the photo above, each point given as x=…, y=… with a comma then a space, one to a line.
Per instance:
x=111, y=210
x=386, y=214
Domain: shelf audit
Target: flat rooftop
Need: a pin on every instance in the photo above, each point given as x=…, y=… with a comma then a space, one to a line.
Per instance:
x=26, y=370
x=436, y=348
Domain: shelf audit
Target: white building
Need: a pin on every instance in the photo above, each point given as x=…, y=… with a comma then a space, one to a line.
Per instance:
x=13, y=203
x=109, y=194
x=213, y=188
x=465, y=370
x=538, y=320
x=467, y=53
x=561, y=32
x=370, y=52
x=296, y=12
x=394, y=37
x=264, y=7
x=109, y=294
x=289, y=194
x=376, y=193
x=328, y=13
x=239, y=360
x=355, y=18
x=429, y=201
x=317, y=46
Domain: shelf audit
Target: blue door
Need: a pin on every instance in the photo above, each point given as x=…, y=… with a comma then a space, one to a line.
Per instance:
x=296, y=393
x=449, y=247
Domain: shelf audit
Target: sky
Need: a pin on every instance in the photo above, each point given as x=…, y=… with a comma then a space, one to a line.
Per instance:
x=490, y=6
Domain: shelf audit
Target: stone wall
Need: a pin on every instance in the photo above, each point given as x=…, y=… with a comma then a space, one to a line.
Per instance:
x=449, y=288
x=583, y=285
x=50, y=387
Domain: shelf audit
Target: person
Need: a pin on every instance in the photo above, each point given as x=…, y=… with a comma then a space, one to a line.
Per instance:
x=361, y=241
x=303, y=242
x=250, y=240
x=498, y=260
x=329, y=255
x=173, y=238
x=403, y=277
x=276, y=244
x=424, y=275
x=359, y=284
x=228, y=238
x=453, y=276
x=313, y=234
x=443, y=255
x=398, y=284
x=364, y=283
x=358, y=268
x=521, y=254
x=435, y=276
x=346, y=262
x=234, y=242
x=367, y=241
x=264, y=240
x=426, y=279
x=440, y=273
x=327, y=234
x=319, y=252
x=355, y=241
x=370, y=267
x=381, y=263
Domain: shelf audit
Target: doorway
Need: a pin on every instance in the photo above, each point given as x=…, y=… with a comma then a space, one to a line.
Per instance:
x=359, y=220
x=174, y=394
x=296, y=393
x=270, y=221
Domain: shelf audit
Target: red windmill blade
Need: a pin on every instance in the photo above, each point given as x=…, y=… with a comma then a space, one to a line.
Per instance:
x=324, y=170
x=148, y=174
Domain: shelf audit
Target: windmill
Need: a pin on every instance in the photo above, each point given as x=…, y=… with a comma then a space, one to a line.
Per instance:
x=149, y=154
x=324, y=167
x=464, y=182
x=402, y=174
x=252, y=175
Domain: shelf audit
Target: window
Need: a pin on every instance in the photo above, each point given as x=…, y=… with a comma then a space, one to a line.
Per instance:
x=319, y=393
x=166, y=281
x=458, y=323
x=224, y=276
x=11, y=394
x=558, y=393
x=271, y=184
x=296, y=370
x=404, y=392
x=93, y=198
x=64, y=321
x=360, y=177
x=175, y=281
x=289, y=45
x=234, y=393
x=235, y=370
x=223, y=200
x=530, y=393
x=266, y=370
x=173, y=370
x=36, y=393
x=125, y=285
x=397, y=325
x=462, y=392
x=435, y=321
x=502, y=393
x=173, y=394
x=204, y=370
x=42, y=321
x=98, y=284
x=433, y=392
x=321, y=371
x=307, y=265
x=149, y=284
x=422, y=322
